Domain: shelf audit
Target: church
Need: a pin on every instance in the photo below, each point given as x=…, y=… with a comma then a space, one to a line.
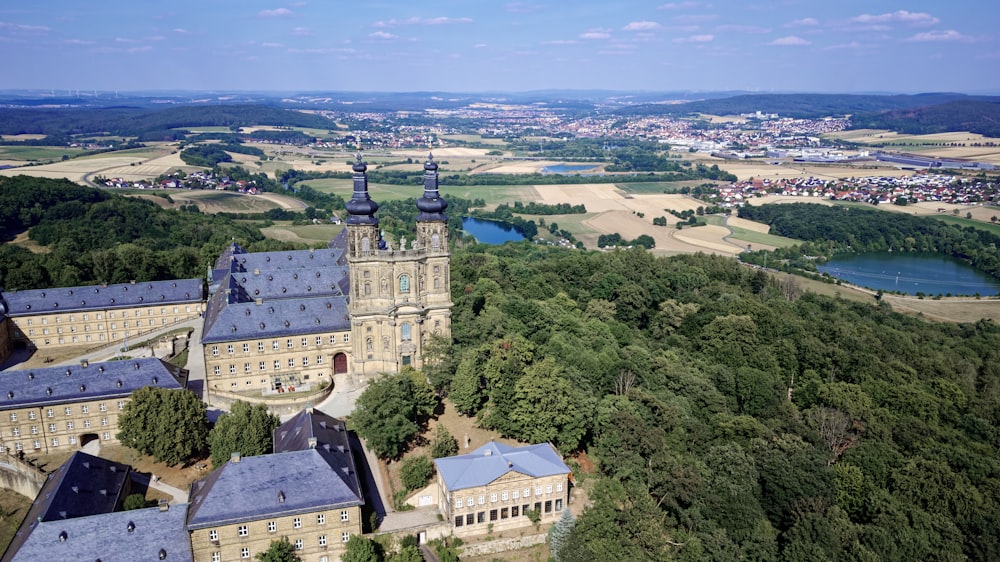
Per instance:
x=277, y=321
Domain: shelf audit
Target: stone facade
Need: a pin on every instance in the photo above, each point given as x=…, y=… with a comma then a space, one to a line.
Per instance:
x=503, y=503
x=318, y=536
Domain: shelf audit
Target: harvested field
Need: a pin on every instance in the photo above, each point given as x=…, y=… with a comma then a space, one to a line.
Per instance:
x=211, y=201
x=310, y=234
x=737, y=222
x=710, y=237
x=630, y=226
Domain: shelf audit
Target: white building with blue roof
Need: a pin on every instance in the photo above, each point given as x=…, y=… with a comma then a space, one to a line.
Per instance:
x=496, y=486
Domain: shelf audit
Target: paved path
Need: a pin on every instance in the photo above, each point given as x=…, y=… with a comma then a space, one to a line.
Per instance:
x=180, y=496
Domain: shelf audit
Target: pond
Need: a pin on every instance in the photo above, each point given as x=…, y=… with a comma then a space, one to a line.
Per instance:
x=912, y=273
x=490, y=232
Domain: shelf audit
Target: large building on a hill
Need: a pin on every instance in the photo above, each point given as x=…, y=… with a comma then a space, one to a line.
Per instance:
x=276, y=321
x=96, y=315
x=55, y=409
x=496, y=486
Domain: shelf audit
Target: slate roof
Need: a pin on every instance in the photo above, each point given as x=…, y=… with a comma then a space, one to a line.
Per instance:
x=313, y=429
x=493, y=460
x=155, y=535
x=59, y=385
x=100, y=297
x=276, y=485
x=275, y=318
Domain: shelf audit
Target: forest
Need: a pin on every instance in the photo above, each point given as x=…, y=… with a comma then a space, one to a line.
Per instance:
x=831, y=230
x=730, y=416
x=93, y=236
x=982, y=117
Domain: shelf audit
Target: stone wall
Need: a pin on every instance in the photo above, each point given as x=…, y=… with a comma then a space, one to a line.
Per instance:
x=501, y=545
x=287, y=404
x=21, y=476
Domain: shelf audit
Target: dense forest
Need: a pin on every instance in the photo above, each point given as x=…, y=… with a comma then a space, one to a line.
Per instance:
x=981, y=117
x=831, y=230
x=93, y=236
x=730, y=416
x=150, y=124
x=802, y=106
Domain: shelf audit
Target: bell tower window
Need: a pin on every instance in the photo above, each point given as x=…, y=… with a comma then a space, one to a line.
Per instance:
x=404, y=283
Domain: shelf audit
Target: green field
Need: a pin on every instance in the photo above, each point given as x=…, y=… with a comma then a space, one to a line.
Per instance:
x=492, y=194
x=992, y=228
x=475, y=138
x=751, y=236
x=37, y=153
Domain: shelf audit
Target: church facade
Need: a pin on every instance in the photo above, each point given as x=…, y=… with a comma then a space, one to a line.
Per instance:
x=277, y=321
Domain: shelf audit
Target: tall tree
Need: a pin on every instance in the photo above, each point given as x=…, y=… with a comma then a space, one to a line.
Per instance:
x=170, y=425
x=390, y=411
x=279, y=551
x=245, y=429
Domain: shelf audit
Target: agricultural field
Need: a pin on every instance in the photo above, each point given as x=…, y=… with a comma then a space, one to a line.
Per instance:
x=928, y=144
x=211, y=201
x=37, y=153
x=492, y=194
x=662, y=186
x=311, y=234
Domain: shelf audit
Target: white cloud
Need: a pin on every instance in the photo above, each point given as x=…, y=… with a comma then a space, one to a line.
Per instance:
x=899, y=16
x=182, y=31
x=24, y=27
x=272, y=45
x=421, y=21
x=78, y=42
x=803, y=22
x=560, y=42
x=678, y=6
x=790, y=41
x=124, y=40
x=479, y=46
x=705, y=38
x=595, y=34
x=852, y=45
x=276, y=13
x=949, y=35
x=382, y=35
x=641, y=26
x=301, y=31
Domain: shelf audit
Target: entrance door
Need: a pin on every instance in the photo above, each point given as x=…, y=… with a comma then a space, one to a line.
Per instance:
x=339, y=364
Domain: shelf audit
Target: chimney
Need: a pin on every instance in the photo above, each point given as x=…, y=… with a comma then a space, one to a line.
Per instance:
x=84, y=363
x=163, y=504
x=281, y=496
x=312, y=442
x=234, y=457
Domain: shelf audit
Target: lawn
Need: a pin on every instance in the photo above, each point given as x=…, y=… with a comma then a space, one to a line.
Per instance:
x=992, y=228
x=36, y=153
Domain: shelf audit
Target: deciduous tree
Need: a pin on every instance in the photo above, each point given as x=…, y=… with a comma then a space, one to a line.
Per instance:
x=170, y=425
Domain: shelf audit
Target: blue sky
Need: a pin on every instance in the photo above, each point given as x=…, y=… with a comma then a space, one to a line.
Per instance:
x=473, y=46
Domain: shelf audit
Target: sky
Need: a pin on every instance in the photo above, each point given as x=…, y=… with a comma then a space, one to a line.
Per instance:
x=907, y=46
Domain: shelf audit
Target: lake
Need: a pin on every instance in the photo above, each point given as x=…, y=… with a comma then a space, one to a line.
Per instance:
x=912, y=272
x=490, y=232
x=567, y=168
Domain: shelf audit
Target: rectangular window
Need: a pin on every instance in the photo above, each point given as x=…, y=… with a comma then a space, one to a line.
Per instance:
x=470, y=519
x=242, y=530
x=85, y=409
x=215, y=351
x=55, y=442
x=344, y=515
x=548, y=506
x=34, y=430
x=305, y=361
x=319, y=340
x=345, y=536
x=322, y=540
x=232, y=369
x=217, y=370
x=213, y=535
x=458, y=503
x=515, y=511
x=333, y=340
x=304, y=342
x=503, y=496
x=246, y=348
x=321, y=519
x=548, y=489
x=13, y=416
x=102, y=407
x=538, y=507
x=106, y=436
x=274, y=345
x=104, y=421
x=272, y=526
x=291, y=362
x=262, y=366
x=459, y=519
x=68, y=411
x=245, y=552
x=86, y=424
x=277, y=365
x=289, y=344
x=504, y=513
x=481, y=517
x=297, y=523
x=527, y=492
x=482, y=500
x=246, y=367
x=347, y=338
x=559, y=504
x=260, y=346
x=69, y=426
x=216, y=557
x=52, y=428
x=517, y=494
x=493, y=498
x=559, y=487
x=121, y=405
x=299, y=544
x=493, y=515
x=538, y=490
x=319, y=359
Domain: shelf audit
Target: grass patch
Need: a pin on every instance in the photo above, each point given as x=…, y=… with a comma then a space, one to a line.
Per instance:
x=311, y=234
x=963, y=222
x=754, y=237
x=13, y=508
x=37, y=153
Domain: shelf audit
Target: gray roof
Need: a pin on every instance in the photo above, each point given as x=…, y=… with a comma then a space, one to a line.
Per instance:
x=276, y=485
x=107, y=537
x=313, y=429
x=276, y=318
x=99, y=297
x=493, y=460
x=76, y=383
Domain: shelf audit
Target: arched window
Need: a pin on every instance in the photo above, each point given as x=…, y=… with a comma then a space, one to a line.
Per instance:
x=404, y=283
x=368, y=288
x=404, y=331
x=435, y=241
x=366, y=245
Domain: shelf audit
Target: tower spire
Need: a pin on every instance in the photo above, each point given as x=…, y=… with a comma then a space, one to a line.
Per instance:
x=361, y=208
x=431, y=205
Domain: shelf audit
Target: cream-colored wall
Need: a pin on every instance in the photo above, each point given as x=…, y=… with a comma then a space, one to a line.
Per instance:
x=220, y=363
x=229, y=544
x=26, y=430
x=554, y=489
x=99, y=326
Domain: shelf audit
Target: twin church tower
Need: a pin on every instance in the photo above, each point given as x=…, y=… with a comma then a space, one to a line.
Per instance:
x=400, y=295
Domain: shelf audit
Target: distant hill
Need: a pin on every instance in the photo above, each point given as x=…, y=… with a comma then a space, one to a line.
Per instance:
x=802, y=106
x=975, y=116
x=148, y=124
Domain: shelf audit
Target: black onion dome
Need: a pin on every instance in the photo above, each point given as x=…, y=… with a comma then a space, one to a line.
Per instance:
x=361, y=208
x=431, y=205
